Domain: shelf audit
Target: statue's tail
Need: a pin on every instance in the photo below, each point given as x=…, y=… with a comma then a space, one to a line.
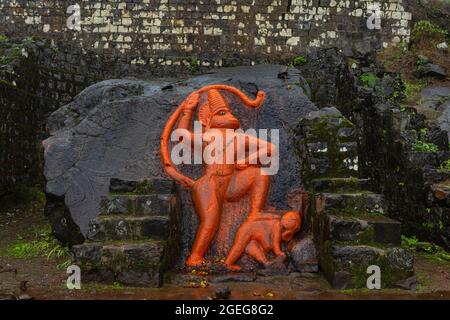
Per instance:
x=169, y=167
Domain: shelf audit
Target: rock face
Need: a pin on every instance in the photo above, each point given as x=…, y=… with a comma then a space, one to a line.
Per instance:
x=112, y=130
x=438, y=99
x=303, y=254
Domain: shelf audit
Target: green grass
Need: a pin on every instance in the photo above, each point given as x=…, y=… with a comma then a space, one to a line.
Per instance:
x=428, y=250
x=420, y=146
x=41, y=244
x=445, y=165
x=425, y=28
x=368, y=79
x=411, y=90
x=194, y=65
x=298, y=61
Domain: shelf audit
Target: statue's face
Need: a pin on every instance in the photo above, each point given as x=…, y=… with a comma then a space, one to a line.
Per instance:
x=223, y=118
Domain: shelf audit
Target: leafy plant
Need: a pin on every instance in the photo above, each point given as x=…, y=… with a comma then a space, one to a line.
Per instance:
x=43, y=244
x=430, y=250
x=424, y=32
x=3, y=38
x=445, y=165
x=194, y=65
x=411, y=90
x=298, y=61
x=420, y=146
x=421, y=61
x=369, y=79
x=427, y=28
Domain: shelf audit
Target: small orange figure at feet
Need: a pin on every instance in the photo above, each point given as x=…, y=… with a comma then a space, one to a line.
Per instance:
x=258, y=236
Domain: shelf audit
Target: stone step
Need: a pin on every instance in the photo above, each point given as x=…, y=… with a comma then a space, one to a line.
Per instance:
x=358, y=202
x=346, y=266
x=340, y=184
x=138, y=205
x=118, y=227
x=132, y=264
x=362, y=229
x=149, y=186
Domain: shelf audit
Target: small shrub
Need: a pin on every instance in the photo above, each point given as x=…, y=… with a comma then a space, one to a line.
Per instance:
x=420, y=146
x=445, y=165
x=426, y=32
x=194, y=65
x=369, y=79
x=427, y=28
x=412, y=90
x=298, y=61
x=421, y=61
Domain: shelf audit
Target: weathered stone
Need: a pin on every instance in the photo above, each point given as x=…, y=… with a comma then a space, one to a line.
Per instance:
x=340, y=184
x=362, y=229
x=441, y=192
x=345, y=229
x=345, y=266
x=128, y=228
x=135, y=264
x=223, y=293
x=153, y=186
x=138, y=205
x=400, y=259
x=432, y=70
x=234, y=277
x=363, y=202
x=303, y=255
x=407, y=284
x=342, y=280
x=139, y=278
x=324, y=149
x=119, y=185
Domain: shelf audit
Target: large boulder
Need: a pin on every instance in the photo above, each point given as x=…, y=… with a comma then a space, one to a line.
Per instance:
x=112, y=130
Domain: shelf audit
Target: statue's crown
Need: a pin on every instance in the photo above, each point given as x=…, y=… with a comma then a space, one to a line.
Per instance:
x=216, y=101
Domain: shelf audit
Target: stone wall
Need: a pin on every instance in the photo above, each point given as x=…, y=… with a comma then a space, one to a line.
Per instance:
x=116, y=39
x=415, y=188
x=173, y=34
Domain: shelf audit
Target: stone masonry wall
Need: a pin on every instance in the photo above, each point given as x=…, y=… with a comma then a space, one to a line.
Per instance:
x=173, y=33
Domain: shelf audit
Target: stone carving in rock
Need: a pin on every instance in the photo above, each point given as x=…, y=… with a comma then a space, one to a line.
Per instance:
x=112, y=130
x=229, y=175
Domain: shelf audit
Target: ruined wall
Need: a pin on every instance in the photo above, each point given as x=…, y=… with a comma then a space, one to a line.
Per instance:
x=116, y=39
x=175, y=34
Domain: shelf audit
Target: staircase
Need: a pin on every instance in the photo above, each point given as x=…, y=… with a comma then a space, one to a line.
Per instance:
x=134, y=239
x=350, y=226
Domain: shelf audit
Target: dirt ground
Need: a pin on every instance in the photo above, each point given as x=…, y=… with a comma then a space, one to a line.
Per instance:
x=40, y=278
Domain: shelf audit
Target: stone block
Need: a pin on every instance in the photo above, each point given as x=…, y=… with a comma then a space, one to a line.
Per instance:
x=303, y=254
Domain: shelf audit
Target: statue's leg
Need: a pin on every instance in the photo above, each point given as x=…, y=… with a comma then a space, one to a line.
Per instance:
x=243, y=236
x=255, y=250
x=251, y=181
x=208, y=206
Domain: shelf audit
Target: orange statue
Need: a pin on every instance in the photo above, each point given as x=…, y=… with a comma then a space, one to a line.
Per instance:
x=220, y=182
x=258, y=236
